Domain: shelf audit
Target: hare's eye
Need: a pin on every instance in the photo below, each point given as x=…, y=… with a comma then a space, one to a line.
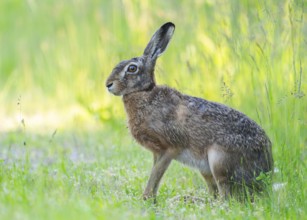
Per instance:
x=132, y=68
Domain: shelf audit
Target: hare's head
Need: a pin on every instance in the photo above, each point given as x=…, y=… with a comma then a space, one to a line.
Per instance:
x=137, y=74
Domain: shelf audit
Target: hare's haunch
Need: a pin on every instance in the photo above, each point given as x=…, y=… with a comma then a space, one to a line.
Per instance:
x=230, y=150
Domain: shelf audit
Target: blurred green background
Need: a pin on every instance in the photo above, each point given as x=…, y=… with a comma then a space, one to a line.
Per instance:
x=56, y=55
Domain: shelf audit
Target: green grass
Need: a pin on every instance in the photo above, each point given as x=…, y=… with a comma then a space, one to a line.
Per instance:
x=65, y=152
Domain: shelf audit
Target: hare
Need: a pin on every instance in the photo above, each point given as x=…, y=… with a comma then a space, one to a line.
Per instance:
x=230, y=150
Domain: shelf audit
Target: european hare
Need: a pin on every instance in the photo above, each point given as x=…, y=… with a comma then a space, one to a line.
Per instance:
x=229, y=149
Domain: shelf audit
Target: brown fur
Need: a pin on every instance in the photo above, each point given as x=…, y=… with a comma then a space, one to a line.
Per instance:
x=228, y=148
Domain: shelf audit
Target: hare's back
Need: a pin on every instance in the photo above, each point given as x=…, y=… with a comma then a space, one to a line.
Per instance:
x=215, y=123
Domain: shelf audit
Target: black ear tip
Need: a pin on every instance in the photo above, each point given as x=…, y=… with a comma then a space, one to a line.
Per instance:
x=168, y=25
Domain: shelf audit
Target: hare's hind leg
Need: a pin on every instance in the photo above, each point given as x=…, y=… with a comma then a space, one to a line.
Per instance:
x=212, y=187
x=219, y=166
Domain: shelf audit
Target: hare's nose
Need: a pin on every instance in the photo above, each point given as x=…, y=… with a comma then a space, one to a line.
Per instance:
x=109, y=85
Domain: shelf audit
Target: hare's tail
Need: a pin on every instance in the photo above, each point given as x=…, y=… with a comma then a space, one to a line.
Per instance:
x=255, y=175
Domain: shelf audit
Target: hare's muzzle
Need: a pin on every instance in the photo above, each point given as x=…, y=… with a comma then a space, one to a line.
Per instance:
x=113, y=88
x=109, y=85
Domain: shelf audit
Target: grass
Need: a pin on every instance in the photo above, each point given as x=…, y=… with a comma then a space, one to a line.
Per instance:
x=65, y=152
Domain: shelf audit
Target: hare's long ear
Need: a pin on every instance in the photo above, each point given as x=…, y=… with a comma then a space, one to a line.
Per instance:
x=159, y=41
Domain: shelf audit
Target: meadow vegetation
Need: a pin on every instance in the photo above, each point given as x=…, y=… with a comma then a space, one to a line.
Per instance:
x=65, y=151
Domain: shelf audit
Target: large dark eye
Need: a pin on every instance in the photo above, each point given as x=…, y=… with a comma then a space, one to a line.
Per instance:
x=132, y=68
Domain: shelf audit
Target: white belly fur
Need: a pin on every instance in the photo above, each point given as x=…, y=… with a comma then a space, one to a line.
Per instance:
x=188, y=158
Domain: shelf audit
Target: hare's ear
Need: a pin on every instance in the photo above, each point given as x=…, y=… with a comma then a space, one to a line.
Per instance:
x=159, y=41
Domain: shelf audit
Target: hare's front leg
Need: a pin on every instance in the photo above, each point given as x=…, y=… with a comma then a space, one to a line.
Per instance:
x=161, y=163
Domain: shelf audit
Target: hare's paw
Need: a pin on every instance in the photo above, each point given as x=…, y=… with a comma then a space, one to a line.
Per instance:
x=149, y=197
